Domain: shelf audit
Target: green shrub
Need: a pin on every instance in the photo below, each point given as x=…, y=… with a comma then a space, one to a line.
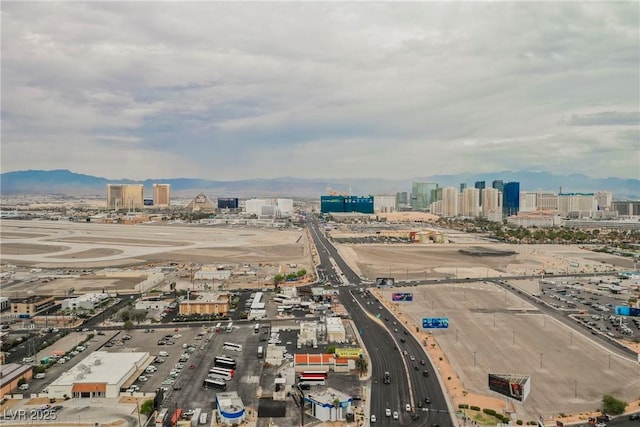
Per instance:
x=519, y=422
x=474, y=408
x=463, y=406
x=147, y=407
x=489, y=411
x=613, y=406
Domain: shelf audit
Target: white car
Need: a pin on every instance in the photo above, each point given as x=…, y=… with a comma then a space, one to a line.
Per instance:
x=395, y=415
x=373, y=418
x=407, y=407
x=413, y=358
x=24, y=386
x=387, y=412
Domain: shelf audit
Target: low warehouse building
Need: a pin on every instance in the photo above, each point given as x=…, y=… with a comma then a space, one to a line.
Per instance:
x=230, y=408
x=101, y=374
x=10, y=376
x=323, y=404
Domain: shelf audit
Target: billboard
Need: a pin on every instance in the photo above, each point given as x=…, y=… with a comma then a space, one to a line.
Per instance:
x=623, y=310
x=435, y=322
x=402, y=296
x=516, y=387
x=385, y=281
x=348, y=352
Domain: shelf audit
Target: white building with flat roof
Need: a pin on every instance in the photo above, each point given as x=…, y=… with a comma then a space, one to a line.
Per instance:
x=86, y=301
x=230, y=408
x=323, y=404
x=335, y=330
x=101, y=374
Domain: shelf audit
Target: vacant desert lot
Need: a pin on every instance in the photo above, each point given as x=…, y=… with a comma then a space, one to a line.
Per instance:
x=491, y=330
x=49, y=244
x=431, y=261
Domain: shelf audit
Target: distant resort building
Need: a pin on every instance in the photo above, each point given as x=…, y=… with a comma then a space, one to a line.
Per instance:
x=201, y=203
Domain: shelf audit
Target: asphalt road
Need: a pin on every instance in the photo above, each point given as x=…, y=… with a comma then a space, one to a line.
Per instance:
x=408, y=386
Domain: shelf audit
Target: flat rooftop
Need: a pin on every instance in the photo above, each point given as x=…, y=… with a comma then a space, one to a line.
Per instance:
x=102, y=367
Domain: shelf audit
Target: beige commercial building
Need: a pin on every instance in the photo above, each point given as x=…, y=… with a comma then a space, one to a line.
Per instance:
x=161, y=195
x=209, y=303
x=125, y=196
x=31, y=305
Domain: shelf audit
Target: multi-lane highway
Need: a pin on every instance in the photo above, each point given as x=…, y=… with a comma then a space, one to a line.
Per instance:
x=386, y=350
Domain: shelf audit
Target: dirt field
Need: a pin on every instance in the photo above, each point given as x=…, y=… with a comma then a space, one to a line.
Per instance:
x=492, y=331
x=82, y=245
x=430, y=261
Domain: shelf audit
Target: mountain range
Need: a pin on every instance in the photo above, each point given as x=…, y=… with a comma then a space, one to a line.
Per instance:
x=33, y=182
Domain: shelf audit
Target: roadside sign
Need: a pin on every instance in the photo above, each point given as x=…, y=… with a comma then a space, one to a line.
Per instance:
x=435, y=322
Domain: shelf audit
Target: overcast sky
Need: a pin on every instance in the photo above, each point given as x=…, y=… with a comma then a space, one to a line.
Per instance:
x=228, y=91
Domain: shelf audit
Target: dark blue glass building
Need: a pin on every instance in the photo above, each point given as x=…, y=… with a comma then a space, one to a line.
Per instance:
x=346, y=204
x=511, y=199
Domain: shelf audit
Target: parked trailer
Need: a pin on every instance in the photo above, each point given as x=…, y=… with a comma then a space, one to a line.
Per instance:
x=195, y=417
x=203, y=418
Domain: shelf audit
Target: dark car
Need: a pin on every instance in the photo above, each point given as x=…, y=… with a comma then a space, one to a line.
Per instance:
x=427, y=400
x=422, y=362
x=425, y=373
x=402, y=340
x=634, y=417
x=177, y=387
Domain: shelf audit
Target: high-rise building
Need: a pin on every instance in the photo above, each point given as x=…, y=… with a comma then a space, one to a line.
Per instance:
x=627, y=208
x=361, y=204
x=604, y=199
x=546, y=201
x=114, y=196
x=382, y=203
x=450, y=201
x=254, y=206
x=421, y=195
x=470, y=202
x=577, y=205
x=528, y=201
x=125, y=196
x=511, y=198
x=284, y=207
x=463, y=185
x=491, y=201
x=228, y=203
x=402, y=199
x=498, y=185
x=480, y=185
x=161, y=195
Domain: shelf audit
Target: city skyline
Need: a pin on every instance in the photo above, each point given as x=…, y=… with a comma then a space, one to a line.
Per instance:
x=352, y=90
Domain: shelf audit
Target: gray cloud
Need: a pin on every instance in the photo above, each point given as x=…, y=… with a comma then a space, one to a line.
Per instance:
x=227, y=90
x=606, y=118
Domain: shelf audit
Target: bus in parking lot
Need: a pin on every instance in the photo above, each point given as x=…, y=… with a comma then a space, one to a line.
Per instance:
x=224, y=362
x=223, y=371
x=232, y=346
x=215, y=384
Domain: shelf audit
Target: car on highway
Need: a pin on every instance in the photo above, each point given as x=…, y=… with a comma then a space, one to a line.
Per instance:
x=422, y=362
x=407, y=407
x=395, y=415
x=373, y=418
x=412, y=358
x=427, y=400
x=387, y=412
x=634, y=417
